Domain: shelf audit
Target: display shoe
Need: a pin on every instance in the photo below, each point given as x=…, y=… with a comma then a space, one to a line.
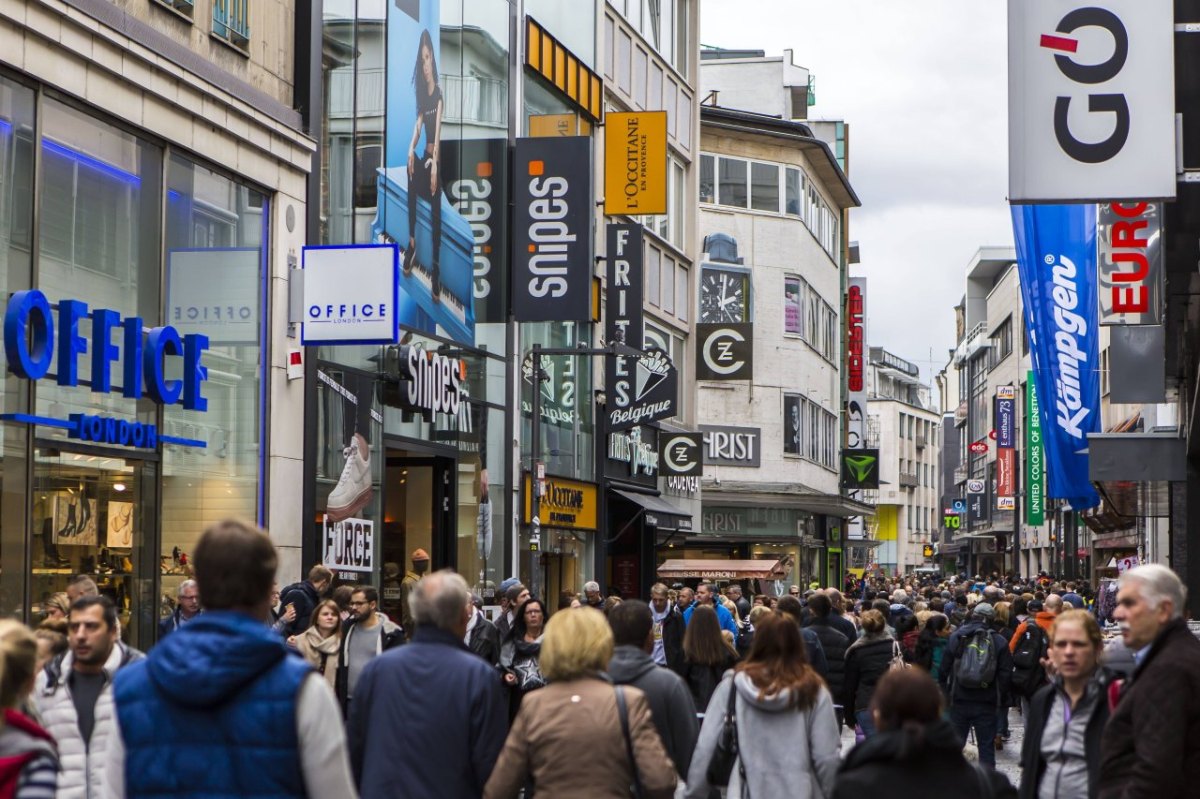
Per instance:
x=353, y=490
x=409, y=259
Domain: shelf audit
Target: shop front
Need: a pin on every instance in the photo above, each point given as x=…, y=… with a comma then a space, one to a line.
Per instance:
x=134, y=408
x=638, y=515
x=558, y=554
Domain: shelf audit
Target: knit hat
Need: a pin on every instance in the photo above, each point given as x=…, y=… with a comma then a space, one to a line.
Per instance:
x=420, y=554
x=984, y=610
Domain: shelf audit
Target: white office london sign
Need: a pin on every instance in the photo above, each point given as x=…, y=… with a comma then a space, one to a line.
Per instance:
x=350, y=294
x=1091, y=100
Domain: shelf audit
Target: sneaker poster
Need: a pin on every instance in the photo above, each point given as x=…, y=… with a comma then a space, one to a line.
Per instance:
x=350, y=420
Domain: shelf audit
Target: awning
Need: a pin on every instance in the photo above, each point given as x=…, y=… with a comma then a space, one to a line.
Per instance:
x=784, y=495
x=659, y=512
x=1120, y=542
x=703, y=569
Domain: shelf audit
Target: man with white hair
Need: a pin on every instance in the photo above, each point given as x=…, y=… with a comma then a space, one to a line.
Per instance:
x=429, y=718
x=592, y=596
x=1151, y=746
x=187, y=607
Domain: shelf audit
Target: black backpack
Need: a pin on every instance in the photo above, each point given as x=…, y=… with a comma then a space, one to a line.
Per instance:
x=977, y=660
x=1028, y=673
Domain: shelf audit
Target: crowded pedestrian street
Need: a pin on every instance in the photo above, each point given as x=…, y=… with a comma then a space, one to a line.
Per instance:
x=594, y=399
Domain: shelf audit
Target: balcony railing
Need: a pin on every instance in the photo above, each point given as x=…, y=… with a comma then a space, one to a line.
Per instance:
x=921, y=442
x=370, y=90
x=474, y=100
x=961, y=472
x=909, y=480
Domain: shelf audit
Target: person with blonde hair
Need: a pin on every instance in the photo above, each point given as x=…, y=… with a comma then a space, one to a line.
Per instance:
x=321, y=642
x=57, y=606
x=28, y=755
x=581, y=711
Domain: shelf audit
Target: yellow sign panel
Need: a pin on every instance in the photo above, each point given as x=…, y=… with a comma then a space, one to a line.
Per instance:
x=635, y=163
x=546, y=125
x=562, y=69
x=567, y=504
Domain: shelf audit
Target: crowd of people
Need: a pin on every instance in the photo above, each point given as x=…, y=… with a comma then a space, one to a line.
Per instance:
x=699, y=692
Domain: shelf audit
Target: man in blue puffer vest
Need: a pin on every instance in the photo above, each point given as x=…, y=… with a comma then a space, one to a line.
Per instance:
x=221, y=707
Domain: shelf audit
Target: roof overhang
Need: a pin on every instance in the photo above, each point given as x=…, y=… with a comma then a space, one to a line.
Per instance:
x=783, y=495
x=824, y=162
x=703, y=569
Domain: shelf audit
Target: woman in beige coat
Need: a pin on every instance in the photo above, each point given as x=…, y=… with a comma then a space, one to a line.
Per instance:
x=320, y=643
x=567, y=737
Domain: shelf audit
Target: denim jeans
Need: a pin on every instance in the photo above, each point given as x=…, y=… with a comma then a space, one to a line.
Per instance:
x=866, y=722
x=964, y=716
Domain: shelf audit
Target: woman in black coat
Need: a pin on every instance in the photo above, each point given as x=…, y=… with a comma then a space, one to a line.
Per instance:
x=867, y=661
x=915, y=752
x=706, y=655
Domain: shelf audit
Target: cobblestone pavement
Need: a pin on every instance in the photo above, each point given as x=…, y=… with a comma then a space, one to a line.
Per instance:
x=1008, y=760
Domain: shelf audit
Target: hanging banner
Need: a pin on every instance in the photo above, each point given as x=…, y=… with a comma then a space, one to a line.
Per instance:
x=635, y=162
x=1006, y=413
x=1091, y=100
x=623, y=319
x=855, y=366
x=1056, y=256
x=436, y=279
x=1006, y=464
x=552, y=230
x=1129, y=243
x=476, y=175
x=1035, y=458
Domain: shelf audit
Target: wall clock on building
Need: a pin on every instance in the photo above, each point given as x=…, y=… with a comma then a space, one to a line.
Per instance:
x=724, y=295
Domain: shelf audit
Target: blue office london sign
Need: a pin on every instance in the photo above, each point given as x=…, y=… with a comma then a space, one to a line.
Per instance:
x=350, y=294
x=35, y=342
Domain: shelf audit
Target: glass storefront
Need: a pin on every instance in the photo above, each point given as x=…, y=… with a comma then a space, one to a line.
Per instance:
x=435, y=481
x=132, y=231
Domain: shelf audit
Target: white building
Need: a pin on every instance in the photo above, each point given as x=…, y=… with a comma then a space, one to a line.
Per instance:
x=905, y=427
x=773, y=202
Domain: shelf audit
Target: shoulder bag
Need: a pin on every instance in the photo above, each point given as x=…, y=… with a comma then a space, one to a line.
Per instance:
x=635, y=790
x=725, y=754
x=898, y=663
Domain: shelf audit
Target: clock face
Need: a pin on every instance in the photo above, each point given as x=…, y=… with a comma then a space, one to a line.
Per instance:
x=724, y=296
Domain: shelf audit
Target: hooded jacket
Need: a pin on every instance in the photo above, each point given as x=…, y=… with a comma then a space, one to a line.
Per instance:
x=82, y=761
x=783, y=751
x=671, y=705
x=211, y=712
x=918, y=761
x=304, y=597
x=390, y=635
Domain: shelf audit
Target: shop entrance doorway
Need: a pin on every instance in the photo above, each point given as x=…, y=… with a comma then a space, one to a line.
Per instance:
x=418, y=499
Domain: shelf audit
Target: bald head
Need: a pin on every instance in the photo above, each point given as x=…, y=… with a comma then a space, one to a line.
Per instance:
x=1054, y=604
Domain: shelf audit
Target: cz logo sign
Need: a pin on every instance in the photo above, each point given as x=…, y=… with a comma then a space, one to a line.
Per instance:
x=726, y=352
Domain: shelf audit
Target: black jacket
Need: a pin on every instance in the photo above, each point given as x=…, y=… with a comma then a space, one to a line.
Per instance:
x=834, y=645
x=484, y=639
x=866, y=661
x=1151, y=745
x=672, y=638
x=905, y=763
x=305, y=598
x=391, y=635
x=992, y=694
x=844, y=626
x=702, y=680
x=671, y=704
x=1033, y=765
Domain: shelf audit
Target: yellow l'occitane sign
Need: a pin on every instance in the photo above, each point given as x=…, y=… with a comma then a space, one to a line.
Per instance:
x=635, y=163
x=567, y=505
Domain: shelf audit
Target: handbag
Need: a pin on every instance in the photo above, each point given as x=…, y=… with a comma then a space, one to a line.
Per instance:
x=898, y=663
x=635, y=790
x=725, y=754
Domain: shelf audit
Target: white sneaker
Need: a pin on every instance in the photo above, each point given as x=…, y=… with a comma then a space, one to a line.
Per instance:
x=353, y=490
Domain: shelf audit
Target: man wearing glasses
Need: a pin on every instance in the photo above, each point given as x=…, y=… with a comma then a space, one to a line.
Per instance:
x=365, y=635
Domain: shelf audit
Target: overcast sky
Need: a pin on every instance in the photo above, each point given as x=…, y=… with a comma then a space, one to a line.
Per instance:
x=923, y=85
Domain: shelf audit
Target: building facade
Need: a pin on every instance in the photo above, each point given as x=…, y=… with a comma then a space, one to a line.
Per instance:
x=905, y=427
x=152, y=200
x=773, y=202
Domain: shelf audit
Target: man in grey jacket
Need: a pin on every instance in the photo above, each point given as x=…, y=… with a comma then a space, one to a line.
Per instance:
x=671, y=704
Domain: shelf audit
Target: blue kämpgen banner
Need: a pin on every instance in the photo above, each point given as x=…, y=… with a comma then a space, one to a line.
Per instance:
x=1056, y=258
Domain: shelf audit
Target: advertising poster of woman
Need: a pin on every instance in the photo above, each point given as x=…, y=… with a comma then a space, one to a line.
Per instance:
x=436, y=243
